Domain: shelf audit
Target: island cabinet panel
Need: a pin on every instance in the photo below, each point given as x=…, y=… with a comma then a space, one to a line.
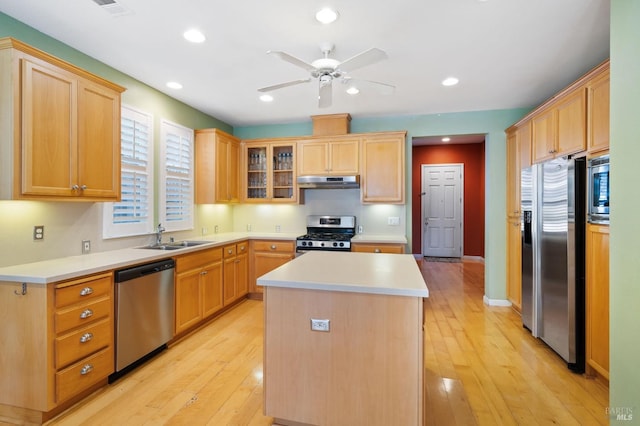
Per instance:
x=366, y=370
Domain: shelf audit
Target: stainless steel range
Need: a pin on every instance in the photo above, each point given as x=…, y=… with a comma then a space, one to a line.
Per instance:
x=331, y=233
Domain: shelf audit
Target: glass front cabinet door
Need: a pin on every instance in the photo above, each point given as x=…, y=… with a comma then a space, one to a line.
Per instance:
x=270, y=173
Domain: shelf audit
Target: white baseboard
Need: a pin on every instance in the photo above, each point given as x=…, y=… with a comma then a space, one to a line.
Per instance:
x=495, y=302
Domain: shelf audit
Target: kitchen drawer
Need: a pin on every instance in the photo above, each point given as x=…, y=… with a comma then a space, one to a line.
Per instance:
x=84, y=289
x=84, y=374
x=242, y=248
x=378, y=248
x=198, y=259
x=75, y=316
x=73, y=346
x=276, y=246
x=229, y=251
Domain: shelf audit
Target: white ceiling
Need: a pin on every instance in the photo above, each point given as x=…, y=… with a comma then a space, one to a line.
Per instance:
x=506, y=53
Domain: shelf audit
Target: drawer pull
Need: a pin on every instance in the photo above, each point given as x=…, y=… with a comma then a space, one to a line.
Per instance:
x=204, y=273
x=86, y=337
x=88, y=368
x=86, y=291
x=86, y=314
x=377, y=250
x=242, y=248
x=229, y=251
x=273, y=247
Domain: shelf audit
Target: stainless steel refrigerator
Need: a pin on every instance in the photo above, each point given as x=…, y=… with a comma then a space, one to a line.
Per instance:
x=553, y=270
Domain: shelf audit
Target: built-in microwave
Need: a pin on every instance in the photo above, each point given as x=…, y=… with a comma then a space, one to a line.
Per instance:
x=599, y=194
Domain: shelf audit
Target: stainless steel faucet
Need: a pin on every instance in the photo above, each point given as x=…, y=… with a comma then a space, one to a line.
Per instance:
x=159, y=232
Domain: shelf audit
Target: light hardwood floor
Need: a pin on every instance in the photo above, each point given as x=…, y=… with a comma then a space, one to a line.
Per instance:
x=481, y=367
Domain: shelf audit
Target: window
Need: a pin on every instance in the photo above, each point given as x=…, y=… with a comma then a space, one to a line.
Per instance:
x=176, y=192
x=133, y=215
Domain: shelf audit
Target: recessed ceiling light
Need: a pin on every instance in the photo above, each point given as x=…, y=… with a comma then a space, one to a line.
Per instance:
x=450, y=81
x=353, y=90
x=446, y=139
x=174, y=85
x=326, y=15
x=194, y=36
x=266, y=98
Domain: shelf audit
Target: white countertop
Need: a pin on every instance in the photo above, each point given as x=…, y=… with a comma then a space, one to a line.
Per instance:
x=379, y=239
x=65, y=268
x=48, y=271
x=375, y=273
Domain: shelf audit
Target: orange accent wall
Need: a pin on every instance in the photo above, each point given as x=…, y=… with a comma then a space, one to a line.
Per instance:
x=472, y=156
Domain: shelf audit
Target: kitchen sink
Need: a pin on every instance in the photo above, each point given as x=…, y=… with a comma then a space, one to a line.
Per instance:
x=175, y=245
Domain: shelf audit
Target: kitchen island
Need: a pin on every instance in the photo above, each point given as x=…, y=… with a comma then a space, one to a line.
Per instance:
x=344, y=340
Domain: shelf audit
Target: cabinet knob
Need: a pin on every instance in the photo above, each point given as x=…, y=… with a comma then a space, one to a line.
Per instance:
x=86, y=313
x=83, y=187
x=229, y=251
x=204, y=272
x=86, y=291
x=377, y=250
x=88, y=368
x=75, y=187
x=273, y=247
x=86, y=337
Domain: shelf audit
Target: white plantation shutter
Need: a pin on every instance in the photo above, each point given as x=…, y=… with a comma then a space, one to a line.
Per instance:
x=176, y=194
x=133, y=215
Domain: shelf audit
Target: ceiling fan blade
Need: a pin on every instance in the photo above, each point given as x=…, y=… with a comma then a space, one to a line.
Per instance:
x=292, y=60
x=281, y=85
x=382, y=88
x=325, y=94
x=367, y=57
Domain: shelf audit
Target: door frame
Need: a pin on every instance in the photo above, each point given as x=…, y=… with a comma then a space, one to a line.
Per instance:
x=423, y=169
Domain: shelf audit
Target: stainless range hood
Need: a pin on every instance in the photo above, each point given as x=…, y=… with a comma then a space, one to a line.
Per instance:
x=329, y=182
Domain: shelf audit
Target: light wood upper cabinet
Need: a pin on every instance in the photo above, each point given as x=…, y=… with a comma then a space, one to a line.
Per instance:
x=217, y=167
x=383, y=168
x=332, y=156
x=64, y=139
x=513, y=175
x=598, y=117
x=523, y=136
x=561, y=128
x=268, y=169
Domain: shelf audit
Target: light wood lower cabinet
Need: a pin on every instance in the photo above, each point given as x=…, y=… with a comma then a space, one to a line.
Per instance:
x=267, y=255
x=597, y=299
x=198, y=287
x=514, y=263
x=60, y=344
x=235, y=272
x=377, y=248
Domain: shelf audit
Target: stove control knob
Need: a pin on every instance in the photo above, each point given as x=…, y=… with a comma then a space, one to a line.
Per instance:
x=341, y=244
x=321, y=244
x=304, y=243
x=335, y=244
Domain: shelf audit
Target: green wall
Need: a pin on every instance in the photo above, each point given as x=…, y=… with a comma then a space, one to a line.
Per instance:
x=625, y=226
x=489, y=123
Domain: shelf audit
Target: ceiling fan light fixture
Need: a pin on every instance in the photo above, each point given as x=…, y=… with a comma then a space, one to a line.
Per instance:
x=174, y=85
x=266, y=98
x=450, y=81
x=326, y=16
x=194, y=36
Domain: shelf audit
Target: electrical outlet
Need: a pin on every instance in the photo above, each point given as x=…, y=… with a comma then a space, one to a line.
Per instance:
x=86, y=246
x=319, y=324
x=248, y=227
x=216, y=229
x=277, y=228
x=393, y=220
x=360, y=229
x=38, y=233
x=205, y=231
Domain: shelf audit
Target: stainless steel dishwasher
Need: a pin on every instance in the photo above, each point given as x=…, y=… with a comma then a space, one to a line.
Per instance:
x=144, y=313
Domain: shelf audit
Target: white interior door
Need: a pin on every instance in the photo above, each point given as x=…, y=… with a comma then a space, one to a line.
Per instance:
x=442, y=210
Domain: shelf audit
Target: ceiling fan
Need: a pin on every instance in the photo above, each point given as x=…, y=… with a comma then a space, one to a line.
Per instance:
x=327, y=69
